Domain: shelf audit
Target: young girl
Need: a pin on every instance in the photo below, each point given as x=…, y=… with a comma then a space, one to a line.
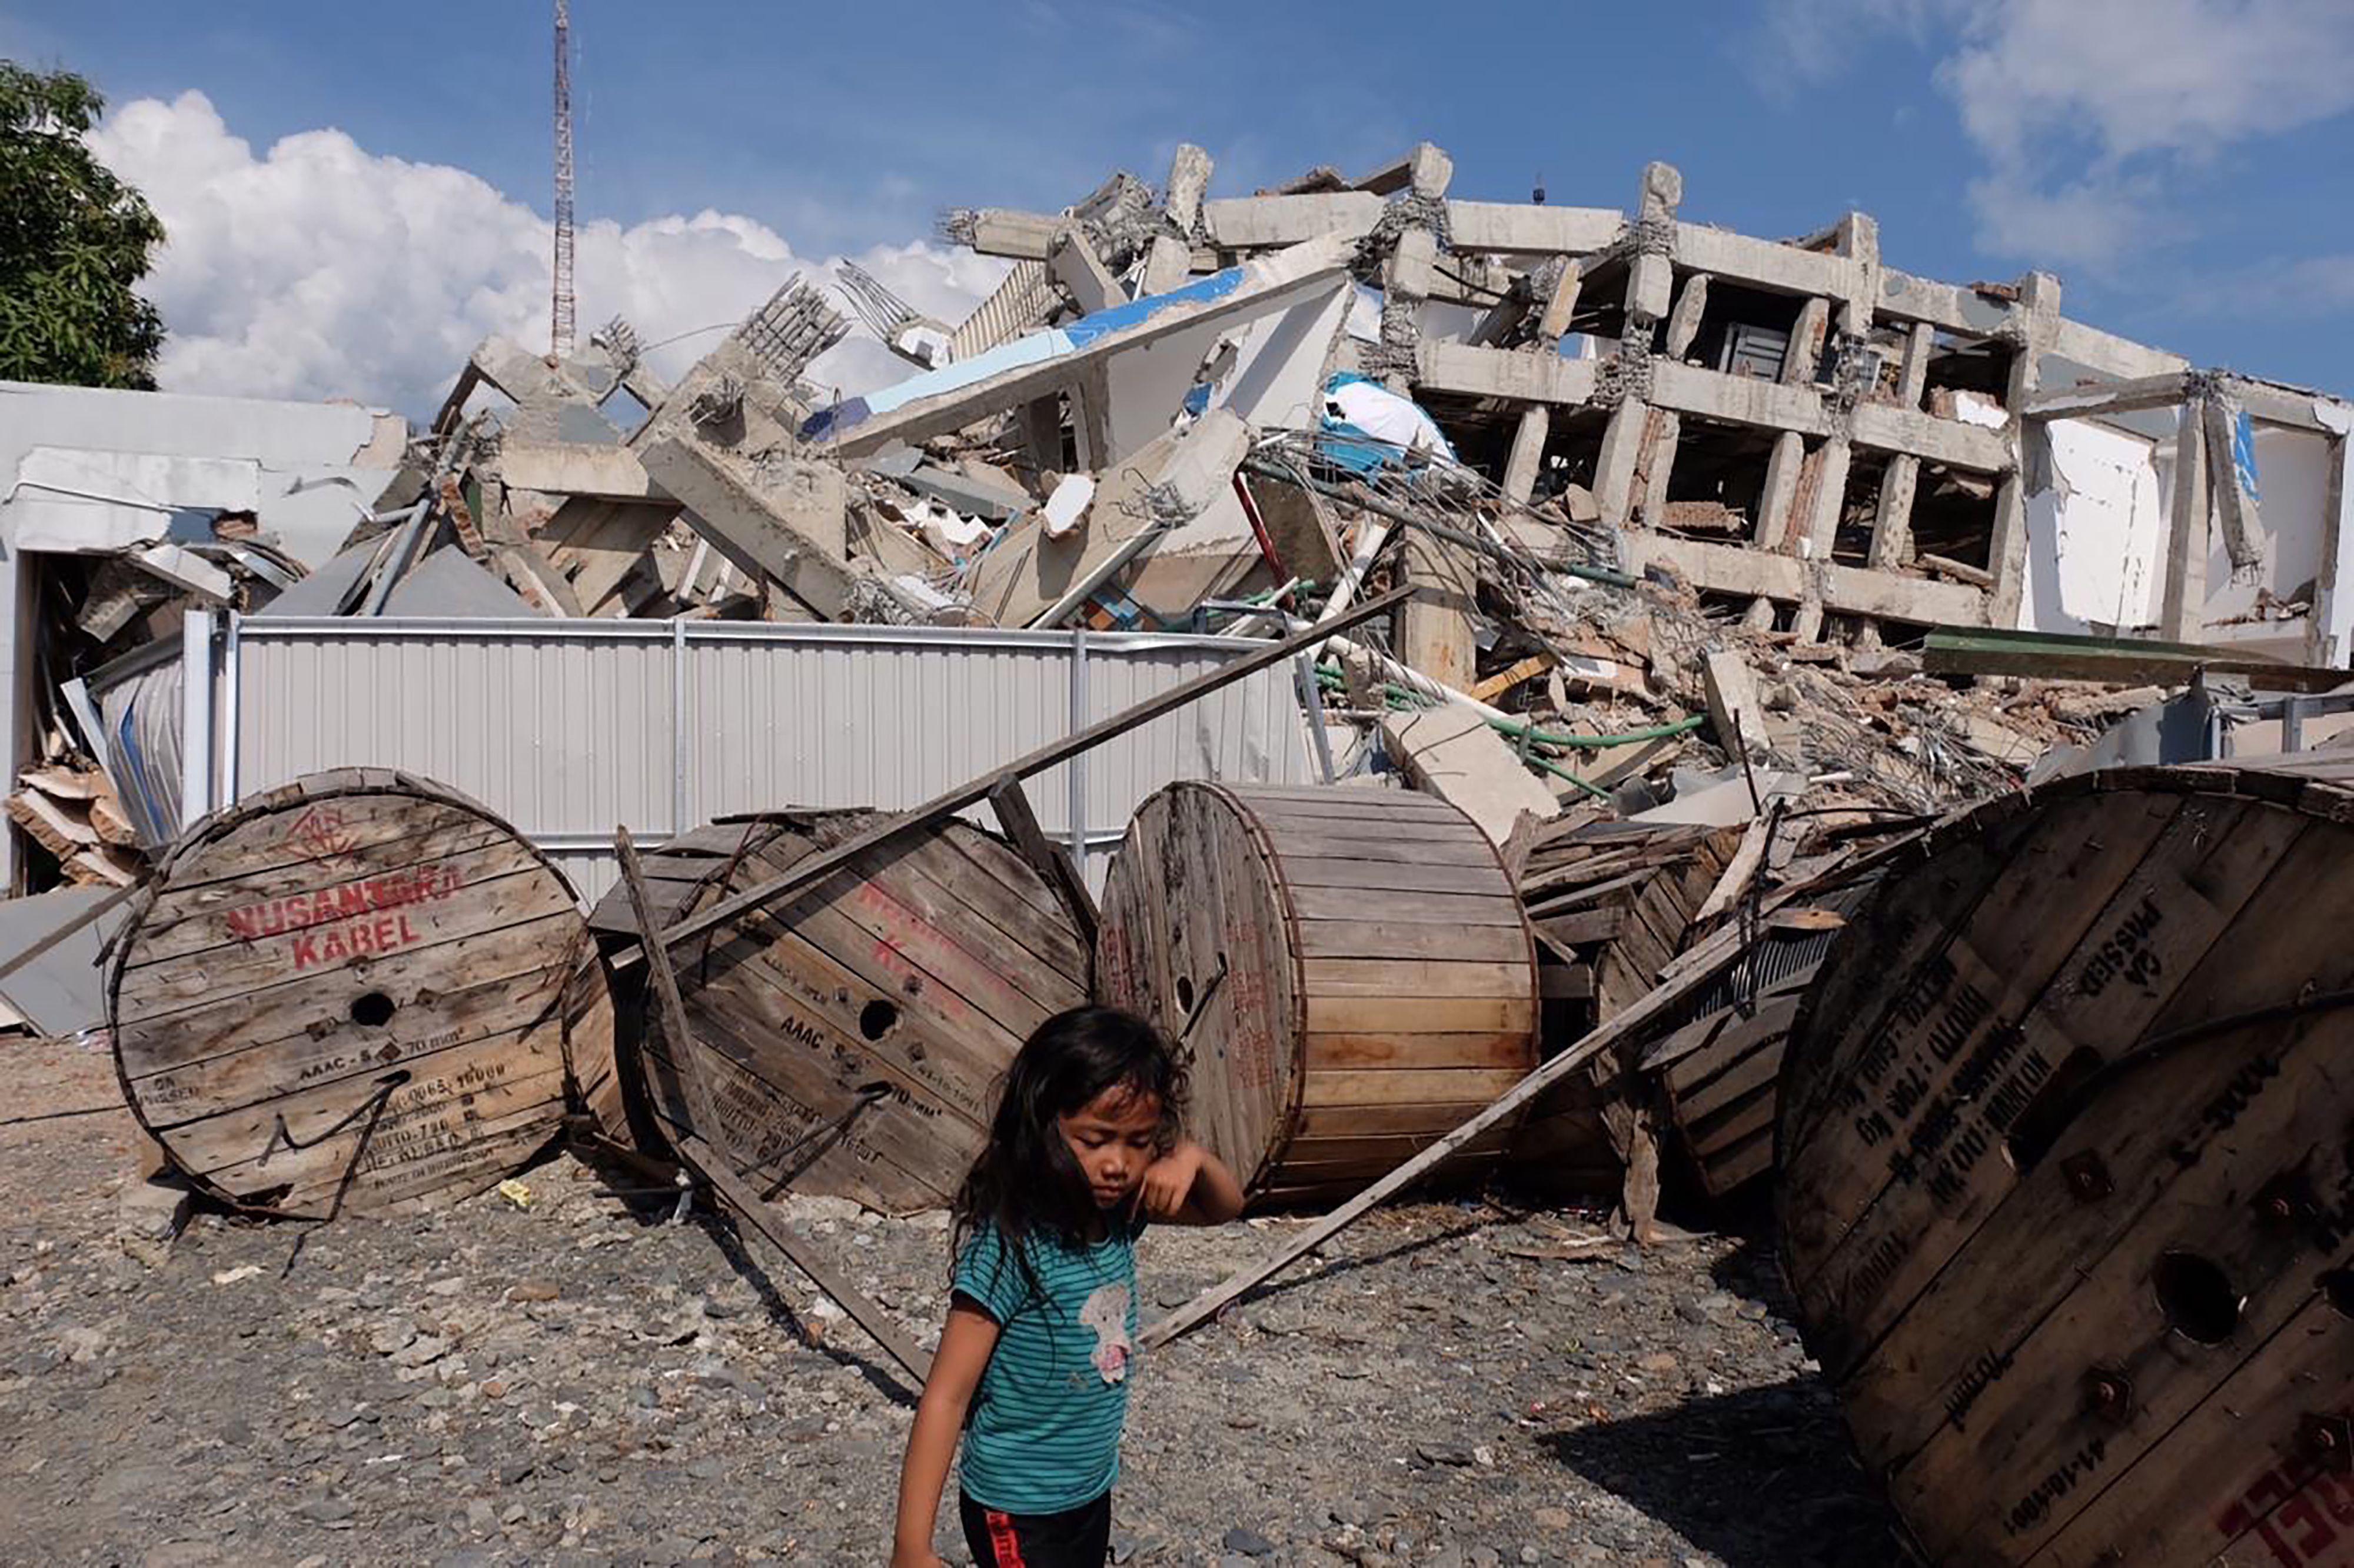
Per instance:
x=1041, y=1321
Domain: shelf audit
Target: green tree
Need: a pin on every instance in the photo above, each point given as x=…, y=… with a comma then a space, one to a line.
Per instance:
x=74, y=242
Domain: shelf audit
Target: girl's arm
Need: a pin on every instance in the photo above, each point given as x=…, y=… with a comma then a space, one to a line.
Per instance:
x=965, y=1347
x=1191, y=1186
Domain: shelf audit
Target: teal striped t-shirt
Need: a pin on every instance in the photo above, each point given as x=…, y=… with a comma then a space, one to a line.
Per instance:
x=1043, y=1432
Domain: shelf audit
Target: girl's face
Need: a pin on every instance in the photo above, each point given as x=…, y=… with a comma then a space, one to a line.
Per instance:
x=1114, y=1136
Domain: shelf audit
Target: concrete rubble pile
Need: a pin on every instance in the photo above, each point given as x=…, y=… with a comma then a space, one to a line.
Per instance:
x=1761, y=537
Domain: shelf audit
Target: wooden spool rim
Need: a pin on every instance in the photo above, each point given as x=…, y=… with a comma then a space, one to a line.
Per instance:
x=332, y=785
x=1240, y=801
x=2280, y=782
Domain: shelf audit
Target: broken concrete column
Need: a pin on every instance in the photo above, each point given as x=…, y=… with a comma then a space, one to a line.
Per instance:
x=1735, y=711
x=1170, y=259
x=1083, y=275
x=1528, y=451
x=1891, y=527
x=2182, y=615
x=1783, y=470
x=1651, y=283
x=779, y=516
x=1527, y=458
x=1683, y=322
x=1805, y=353
x=1433, y=628
x=2037, y=323
x=1659, y=463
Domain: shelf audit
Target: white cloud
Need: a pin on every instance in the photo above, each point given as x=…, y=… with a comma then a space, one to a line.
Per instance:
x=319, y=269
x=2087, y=112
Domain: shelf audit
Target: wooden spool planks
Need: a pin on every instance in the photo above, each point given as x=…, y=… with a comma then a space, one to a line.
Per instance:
x=853, y=1034
x=359, y=992
x=1355, y=970
x=2067, y=1139
x=1612, y=902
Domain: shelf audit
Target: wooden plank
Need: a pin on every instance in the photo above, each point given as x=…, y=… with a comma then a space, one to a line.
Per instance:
x=1051, y=861
x=974, y=792
x=1575, y=930
x=1451, y=909
x=1753, y=1074
x=1394, y=1086
x=1357, y=937
x=1728, y=1168
x=1410, y=1015
x=1380, y=875
x=1728, y=1039
x=1501, y=1048
x=1412, y=977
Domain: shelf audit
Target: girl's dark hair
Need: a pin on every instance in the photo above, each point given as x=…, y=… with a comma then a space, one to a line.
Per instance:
x=1026, y=1182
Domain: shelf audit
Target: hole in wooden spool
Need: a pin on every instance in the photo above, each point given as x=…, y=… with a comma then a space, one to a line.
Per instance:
x=2338, y=1286
x=1185, y=994
x=876, y=1017
x=372, y=1011
x=2040, y=1121
x=2198, y=1302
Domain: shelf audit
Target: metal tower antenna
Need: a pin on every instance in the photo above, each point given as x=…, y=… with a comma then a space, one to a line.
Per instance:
x=559, y=337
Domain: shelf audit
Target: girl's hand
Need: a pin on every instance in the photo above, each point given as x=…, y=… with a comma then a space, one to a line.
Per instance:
x=1169, y=1181
x=916, y=1557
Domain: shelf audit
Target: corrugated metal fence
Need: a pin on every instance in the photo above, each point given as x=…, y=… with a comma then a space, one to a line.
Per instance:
x=567, y=728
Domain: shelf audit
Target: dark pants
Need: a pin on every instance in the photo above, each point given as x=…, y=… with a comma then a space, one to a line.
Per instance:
x=1076, y=1538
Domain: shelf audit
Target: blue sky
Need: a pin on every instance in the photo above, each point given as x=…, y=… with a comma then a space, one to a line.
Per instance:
x=2182, y=163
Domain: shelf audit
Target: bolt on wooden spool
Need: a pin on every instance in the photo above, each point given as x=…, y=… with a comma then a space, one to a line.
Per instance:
x=356, y=993
x=1348, y=971
x=852, y=1036
x=2067, y=1142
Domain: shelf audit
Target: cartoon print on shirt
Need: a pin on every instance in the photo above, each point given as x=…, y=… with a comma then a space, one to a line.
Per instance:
x=1106, y=1312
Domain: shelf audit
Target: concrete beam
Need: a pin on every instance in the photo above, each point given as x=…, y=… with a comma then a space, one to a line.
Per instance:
x=2142, y=392
x=1848, y=590
x=2286, y=406
x=2181, y=615
x=1961, y=311
x=1517, y=229
x=569, y=468
x=1018, y=235
x=1563, y=305
x=2325, y=638
x=2106, y=352
x=1952, y=441
x=1254, y=223
x=1543, y=377
x=1762, y=264
x=1737, y=400
x=766, y=521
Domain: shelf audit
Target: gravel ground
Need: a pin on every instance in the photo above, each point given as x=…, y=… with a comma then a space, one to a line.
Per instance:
x=583, y=1381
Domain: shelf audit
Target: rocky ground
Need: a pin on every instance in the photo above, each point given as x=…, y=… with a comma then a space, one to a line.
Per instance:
x=581, y=1381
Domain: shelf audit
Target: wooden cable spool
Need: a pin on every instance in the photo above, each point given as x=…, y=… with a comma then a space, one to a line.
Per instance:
x=851, y=1037
x=356, y=993
x=1348, y=970
x=2067, y=1143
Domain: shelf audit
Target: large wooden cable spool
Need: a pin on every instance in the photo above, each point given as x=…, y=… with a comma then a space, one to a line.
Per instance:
x=2067, y=1143
x=1348, y=971
x=355, y=993
x=849, y=1040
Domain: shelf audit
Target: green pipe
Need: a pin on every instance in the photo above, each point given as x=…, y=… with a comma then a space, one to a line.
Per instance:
x=1332, y=679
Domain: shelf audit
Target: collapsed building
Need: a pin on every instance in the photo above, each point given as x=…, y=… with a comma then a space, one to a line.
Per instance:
x=1697, y=523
